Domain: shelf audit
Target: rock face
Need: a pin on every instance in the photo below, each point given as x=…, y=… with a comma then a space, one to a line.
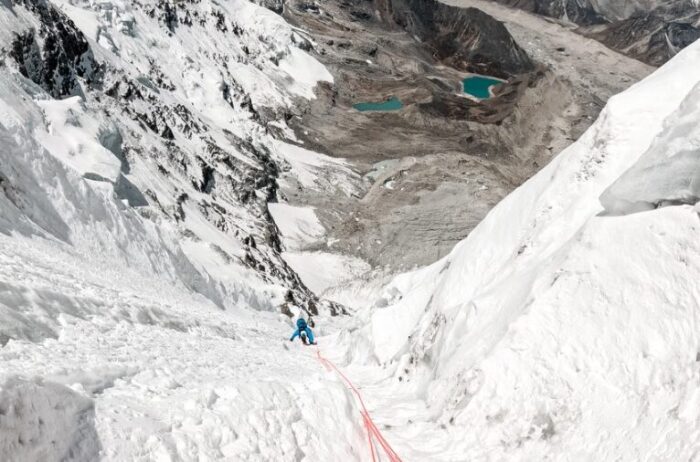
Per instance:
x=55, y=55
x=580, y=12
x=655, y=36
x=652, y=32
x=464, y=38
x=273, y=5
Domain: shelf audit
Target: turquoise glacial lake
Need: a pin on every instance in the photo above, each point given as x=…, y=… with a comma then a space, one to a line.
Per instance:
x=479, y=86
x=391, y=104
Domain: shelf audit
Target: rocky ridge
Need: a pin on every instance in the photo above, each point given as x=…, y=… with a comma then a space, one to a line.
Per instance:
x=652, y=32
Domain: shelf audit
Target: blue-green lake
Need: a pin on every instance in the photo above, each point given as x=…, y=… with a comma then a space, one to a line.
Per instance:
x=391, y=104
x=478, y=86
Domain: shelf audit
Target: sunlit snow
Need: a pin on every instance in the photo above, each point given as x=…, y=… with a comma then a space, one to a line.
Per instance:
x=137, y=325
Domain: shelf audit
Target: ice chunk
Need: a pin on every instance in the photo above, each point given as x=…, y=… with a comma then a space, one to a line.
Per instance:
x=669, y=172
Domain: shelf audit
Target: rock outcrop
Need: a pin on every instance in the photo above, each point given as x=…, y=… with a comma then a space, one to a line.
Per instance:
x=653, y=37
x=652, y=31
x=55, y=55
x=466, y=39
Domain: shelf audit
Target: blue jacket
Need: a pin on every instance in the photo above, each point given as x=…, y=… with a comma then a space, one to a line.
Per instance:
x=302, y=327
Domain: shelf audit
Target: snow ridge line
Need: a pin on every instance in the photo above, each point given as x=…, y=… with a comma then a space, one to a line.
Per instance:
x=372, y=430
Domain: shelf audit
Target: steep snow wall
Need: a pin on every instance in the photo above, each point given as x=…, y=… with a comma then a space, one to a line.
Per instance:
x=555, y=331
x=669, y=172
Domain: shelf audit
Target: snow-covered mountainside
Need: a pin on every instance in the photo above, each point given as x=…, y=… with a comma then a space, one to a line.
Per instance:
x=148, y=127
x=144, y=257
x=566, y=326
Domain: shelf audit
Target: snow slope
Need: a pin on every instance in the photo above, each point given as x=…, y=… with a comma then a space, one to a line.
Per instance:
x=141, y=273
x=298, y=226
x=557, y=330
x=321, y=271
x=118, y=366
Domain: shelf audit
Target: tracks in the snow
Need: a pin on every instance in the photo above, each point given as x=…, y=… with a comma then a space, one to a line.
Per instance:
x=373, y=433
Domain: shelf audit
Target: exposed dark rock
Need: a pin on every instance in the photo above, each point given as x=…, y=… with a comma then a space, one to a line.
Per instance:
x=652, y=37
x=208, y=179
x=464, y=38
x=580, y=12
x=652, y=32
x=220, y=21
x=308, y=8
x=126, y=190
x=273, y=5
x=361, y=15
x=56, y=56
x=166, y=14
x=302, y=43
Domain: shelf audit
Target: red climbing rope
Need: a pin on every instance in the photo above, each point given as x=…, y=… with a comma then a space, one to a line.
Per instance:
x=373, y=432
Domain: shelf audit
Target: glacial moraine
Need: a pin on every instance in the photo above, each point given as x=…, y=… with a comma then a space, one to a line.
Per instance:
x=452, y=156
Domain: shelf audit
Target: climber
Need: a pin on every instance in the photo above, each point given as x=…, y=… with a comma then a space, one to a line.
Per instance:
x=304, y=332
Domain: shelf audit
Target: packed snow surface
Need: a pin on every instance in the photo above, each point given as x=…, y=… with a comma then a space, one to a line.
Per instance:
x=132, y=368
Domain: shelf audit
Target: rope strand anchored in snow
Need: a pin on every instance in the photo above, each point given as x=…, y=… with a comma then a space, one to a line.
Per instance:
x=373, y=432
